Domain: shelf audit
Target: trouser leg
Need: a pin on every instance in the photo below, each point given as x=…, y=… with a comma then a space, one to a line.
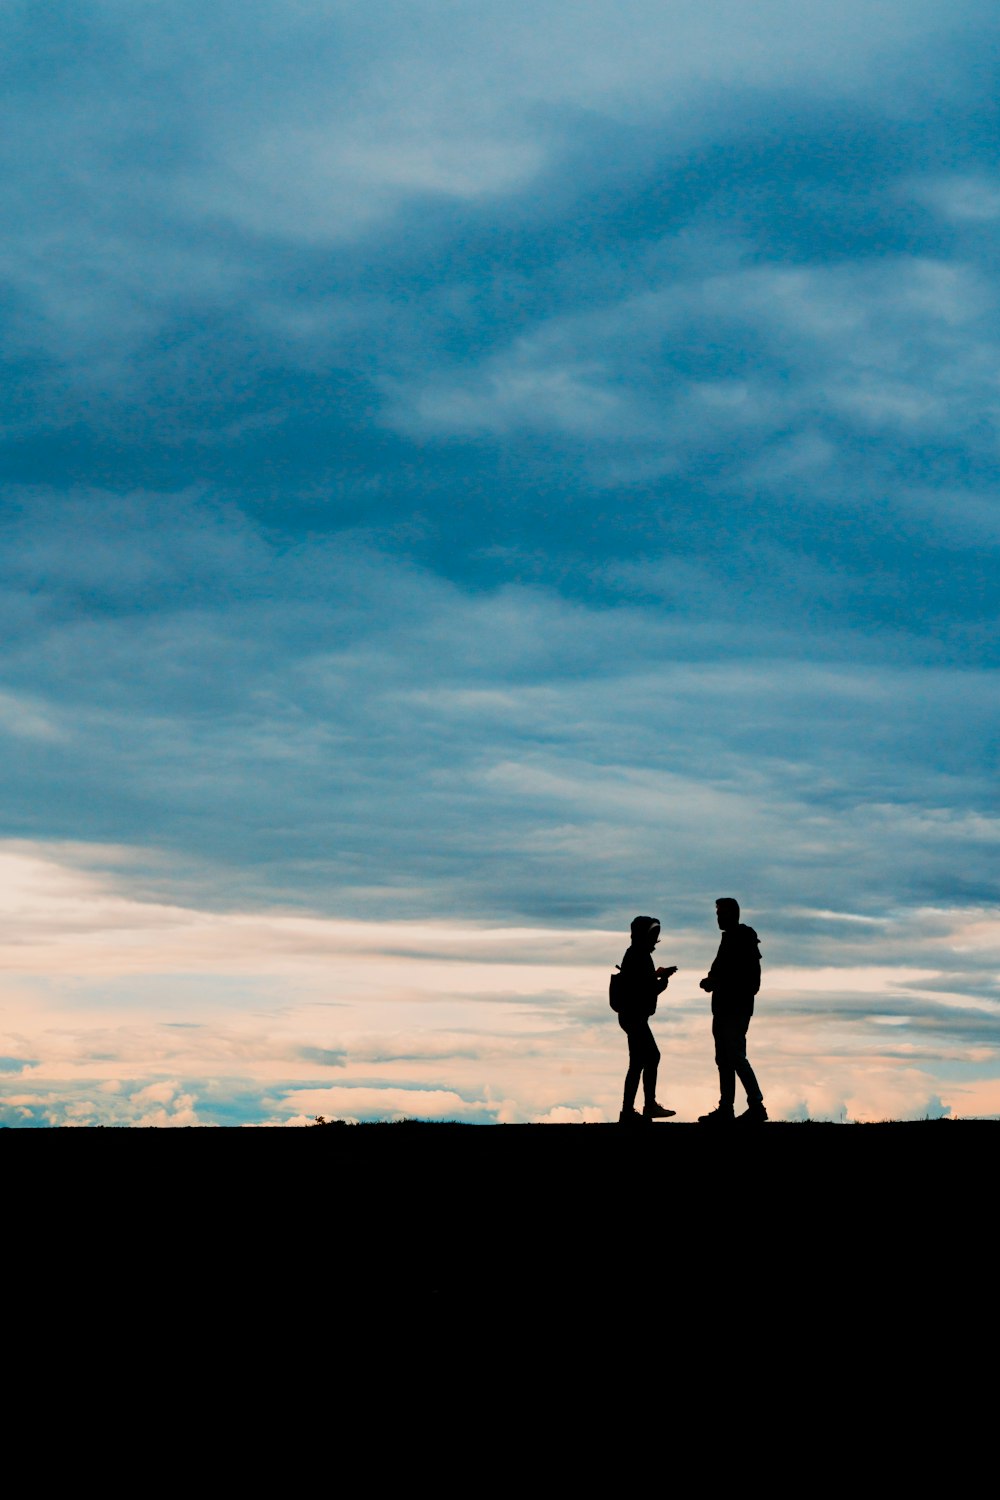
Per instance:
x=741, y=1063
x=631, y=1083
x=730, y=1056
x=634, y=1072
x=650, y=1070
x=643, y=1061
x=748, y=1079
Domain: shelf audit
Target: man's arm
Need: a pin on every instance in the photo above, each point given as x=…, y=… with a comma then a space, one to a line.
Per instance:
x=708, y=983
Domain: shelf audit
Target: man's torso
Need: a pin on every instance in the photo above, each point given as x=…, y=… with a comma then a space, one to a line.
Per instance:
x=736, y=972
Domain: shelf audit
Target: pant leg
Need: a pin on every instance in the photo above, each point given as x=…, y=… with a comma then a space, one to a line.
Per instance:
x=643, y=1061
x=650, y=1066
x=724, y=1062
x=634, y=1072
x=745, y=1072
x=730, y=1033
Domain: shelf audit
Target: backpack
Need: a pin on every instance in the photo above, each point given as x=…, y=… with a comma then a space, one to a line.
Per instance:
x=616, y=988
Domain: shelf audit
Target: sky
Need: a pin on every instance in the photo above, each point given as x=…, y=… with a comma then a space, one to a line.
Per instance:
x=473, y=473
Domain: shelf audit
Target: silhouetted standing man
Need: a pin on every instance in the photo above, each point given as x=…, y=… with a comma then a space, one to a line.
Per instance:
x=733, y=981
x=642, y=984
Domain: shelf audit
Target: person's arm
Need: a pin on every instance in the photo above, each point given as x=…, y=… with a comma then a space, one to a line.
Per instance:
x=711, y=978
x=663, y=978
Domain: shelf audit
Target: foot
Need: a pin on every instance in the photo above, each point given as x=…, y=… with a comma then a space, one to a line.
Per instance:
x=718, y=1116
x=656, y=1111
x=755, y=1114
x=630, y=1117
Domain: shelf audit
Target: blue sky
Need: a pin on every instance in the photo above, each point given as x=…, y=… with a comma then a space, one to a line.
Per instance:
x=472, y=473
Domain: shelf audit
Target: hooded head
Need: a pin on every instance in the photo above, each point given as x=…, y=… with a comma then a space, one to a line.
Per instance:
x=645, y=931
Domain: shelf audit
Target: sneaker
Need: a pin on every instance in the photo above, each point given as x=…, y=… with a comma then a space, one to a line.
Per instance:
x=755, y=1114
x=656, y=1111
x=718, y=1116
x=630, y=1117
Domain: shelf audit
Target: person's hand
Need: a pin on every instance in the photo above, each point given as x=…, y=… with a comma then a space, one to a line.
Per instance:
x=706, y=983
x=666, y=973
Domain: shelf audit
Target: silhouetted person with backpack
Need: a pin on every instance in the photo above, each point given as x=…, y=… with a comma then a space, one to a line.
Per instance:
x=640, y=987
x=733, y=981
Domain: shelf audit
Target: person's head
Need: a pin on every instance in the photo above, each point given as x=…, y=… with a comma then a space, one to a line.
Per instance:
x=727, y=912
x=645, y=932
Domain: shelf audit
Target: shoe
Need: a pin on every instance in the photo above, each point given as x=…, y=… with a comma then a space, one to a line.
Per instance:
x=718, y=1116
x=656, y=1111
x=630, y=1117
x=755, y=1114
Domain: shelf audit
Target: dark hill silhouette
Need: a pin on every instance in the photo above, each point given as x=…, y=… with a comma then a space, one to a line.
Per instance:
x=395, y=1242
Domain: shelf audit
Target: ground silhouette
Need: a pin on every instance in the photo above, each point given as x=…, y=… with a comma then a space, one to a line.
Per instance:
x=435, y=1234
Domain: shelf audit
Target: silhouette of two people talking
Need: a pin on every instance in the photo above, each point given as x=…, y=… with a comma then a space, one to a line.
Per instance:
x=733, y=981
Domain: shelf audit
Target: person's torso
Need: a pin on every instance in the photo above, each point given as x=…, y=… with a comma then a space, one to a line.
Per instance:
x=736, y=970
x=639, y=973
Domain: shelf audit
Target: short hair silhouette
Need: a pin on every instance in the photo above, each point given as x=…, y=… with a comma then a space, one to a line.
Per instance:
x=729, y=906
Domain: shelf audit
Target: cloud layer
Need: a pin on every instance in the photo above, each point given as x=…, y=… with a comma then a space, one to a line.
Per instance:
x=506, y=470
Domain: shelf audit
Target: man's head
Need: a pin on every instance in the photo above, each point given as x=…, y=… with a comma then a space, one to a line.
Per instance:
x=727, y=912
x=645, y=932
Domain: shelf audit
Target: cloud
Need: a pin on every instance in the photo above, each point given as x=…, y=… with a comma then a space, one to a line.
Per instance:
x=24, y=719
x=356, y=1103
x=259, y=728
x=133, y=1014
x=349, y=115
x=563, y=1116
x=961, y=199
x=456, y=502
x=17, y=1064
x=820, y=358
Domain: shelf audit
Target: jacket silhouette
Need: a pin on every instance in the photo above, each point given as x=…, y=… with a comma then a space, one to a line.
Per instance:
x=734, y=977
x=642, y=984
x=733, y=981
